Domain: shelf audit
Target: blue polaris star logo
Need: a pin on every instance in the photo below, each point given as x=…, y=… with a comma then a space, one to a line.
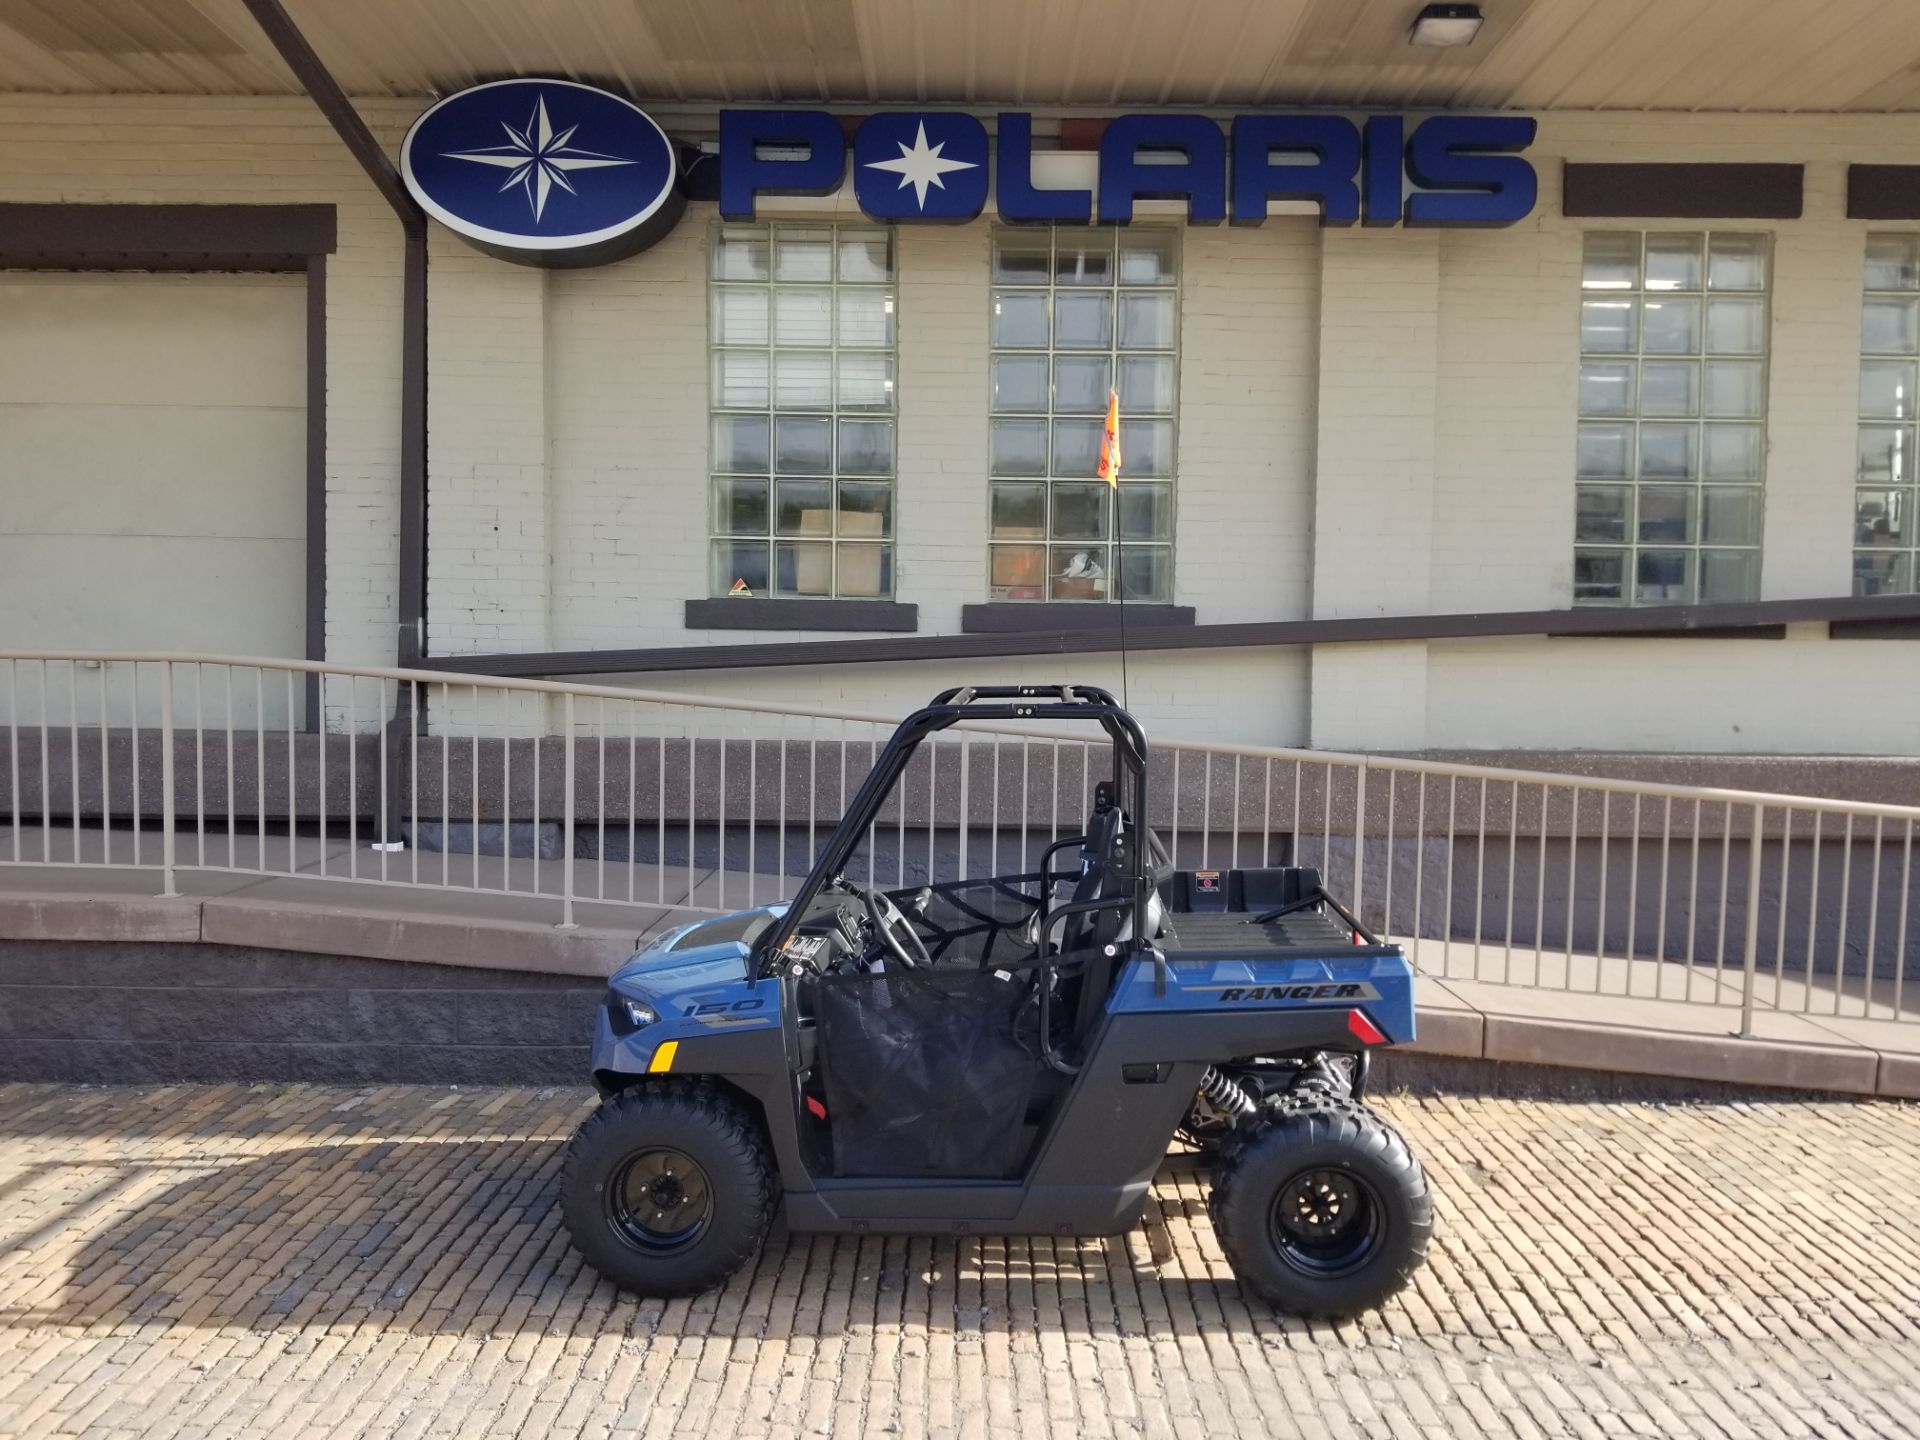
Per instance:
x=544, y=172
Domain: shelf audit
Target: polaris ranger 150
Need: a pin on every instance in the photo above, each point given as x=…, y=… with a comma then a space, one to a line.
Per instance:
x=1008, y=1055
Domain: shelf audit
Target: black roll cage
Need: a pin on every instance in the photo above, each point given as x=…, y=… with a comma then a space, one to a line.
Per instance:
x=988, y=702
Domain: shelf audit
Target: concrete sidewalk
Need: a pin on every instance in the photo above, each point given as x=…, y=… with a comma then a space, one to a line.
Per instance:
x=1582, y=1011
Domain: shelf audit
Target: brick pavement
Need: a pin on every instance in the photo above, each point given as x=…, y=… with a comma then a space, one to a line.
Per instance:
x=304, y=1261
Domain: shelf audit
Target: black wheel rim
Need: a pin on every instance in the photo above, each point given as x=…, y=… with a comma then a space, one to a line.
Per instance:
x=659, y=1201
x=1326, y=1223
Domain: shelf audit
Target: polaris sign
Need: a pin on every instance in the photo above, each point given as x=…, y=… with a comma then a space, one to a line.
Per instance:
x=544, y=172
x=1463, y=170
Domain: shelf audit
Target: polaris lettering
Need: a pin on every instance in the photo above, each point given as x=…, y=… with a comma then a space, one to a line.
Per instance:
x=933, y=166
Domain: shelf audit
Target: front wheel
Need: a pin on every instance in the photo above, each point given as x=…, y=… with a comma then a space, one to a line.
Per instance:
x=1321, y=1208
x=667, y=1188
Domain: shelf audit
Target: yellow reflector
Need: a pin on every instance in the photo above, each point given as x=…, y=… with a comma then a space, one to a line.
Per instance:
x=663, y=1057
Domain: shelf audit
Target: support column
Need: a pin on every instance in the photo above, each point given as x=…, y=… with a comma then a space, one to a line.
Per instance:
x=1374, y=480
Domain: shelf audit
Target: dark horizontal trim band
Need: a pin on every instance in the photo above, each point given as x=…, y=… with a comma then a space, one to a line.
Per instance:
x=1068, y=618
x=1883, y=192
x=1878, y=629
x=165, y=237
x=1651, y=622
x=1685, y=191
x=758, y=612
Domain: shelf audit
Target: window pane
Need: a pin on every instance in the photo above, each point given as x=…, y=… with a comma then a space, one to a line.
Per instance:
x=1735, y=389
x=803, y=507
x=863, y=571
x=1601, y=513
x=1882, y=574
x=1146, y=449
x=1146, y=384
x=1083, y=322
x=1081, y=383
x=1889, y=326
x=1608, y=327
x=802, y=254
x=1147, y=257
x=803, y=567
x=1021, y=257
x=1146, y=512
x=1599, y=575
x=1147, y=321
x=1082, y=259
x=866, y=317
x=1020, y=319
x=739, y=507
x=740, y=444
x=739, y=316
x=1080, y=511
x=1673, y=262
x=1736, y=327
x=1606, y=388
x=1612, y=261
x=866, y=257
x=741, y=255
x=1020, y=382
x=1671, y=326
x=1729, y=575
x=1886, y=454
x=1882, y=517
x=803, y=317
x=1733, y=452
x=738, y=561
x=866, y=381
x=803, y=380
x=1670, y=388
x=866, y=511
x=1886, y=389
x=1893, y=262
x=1606, y=452
x=1730, y=516
x=1019, y=512
x=740, y=379
x=1076, y=448
x=1017, y=572
x=1665, y=515
x=803, y=446
x=1019, y=447
x=1146, y=573
x=1737, y=262
x=1663, y=576
x=866, y=447
x=1669, y=452
x=1077, y=573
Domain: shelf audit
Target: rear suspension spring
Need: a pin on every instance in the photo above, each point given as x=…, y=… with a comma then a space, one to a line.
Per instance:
x=1225, y=1093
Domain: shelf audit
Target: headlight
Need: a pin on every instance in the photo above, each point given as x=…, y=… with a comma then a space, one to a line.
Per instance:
x=629, y=1015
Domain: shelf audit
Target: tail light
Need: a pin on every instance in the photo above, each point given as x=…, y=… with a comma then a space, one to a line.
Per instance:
x=1364, y=1029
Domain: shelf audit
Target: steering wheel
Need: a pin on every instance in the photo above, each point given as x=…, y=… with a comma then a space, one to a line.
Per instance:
x=891, y=925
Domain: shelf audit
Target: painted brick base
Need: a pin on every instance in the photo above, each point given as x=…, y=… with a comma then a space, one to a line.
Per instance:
x=147, y=1013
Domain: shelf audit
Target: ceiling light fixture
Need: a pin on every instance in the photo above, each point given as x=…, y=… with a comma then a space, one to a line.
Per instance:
x=1444, y=26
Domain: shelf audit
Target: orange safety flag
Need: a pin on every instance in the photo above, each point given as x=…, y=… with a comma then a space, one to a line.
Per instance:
x=1109, y=470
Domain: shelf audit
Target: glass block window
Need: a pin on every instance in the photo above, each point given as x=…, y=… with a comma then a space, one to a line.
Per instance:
x=1885, y=535
x=1075, y=313
x=1673, y=398
x=802, y=322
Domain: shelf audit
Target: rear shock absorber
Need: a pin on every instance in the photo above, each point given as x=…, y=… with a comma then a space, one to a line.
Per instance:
x=1225, y=1094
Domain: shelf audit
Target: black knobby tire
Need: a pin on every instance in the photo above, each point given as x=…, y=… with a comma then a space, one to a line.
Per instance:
x=667, y=1188
x=1321, y=1208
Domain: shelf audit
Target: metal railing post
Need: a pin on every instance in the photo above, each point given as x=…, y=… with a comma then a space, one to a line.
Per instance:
x=167, y=886
x=1753, y=925
x=566, y=827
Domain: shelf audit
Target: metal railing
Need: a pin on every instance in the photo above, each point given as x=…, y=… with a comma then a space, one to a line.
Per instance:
x=588, y=801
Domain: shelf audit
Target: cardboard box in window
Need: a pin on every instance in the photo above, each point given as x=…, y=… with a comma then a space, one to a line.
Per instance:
x=860, y=566
x=1019, y=574
x=1081, y=588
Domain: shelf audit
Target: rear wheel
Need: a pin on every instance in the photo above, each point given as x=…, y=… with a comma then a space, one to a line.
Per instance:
x=1321, y=1208
x=668, y=1188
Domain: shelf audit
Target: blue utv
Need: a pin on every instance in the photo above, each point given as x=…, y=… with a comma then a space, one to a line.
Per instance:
x=1010, y=1055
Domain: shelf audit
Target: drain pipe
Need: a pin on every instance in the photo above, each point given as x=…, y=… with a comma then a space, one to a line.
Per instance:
x=410, y=622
